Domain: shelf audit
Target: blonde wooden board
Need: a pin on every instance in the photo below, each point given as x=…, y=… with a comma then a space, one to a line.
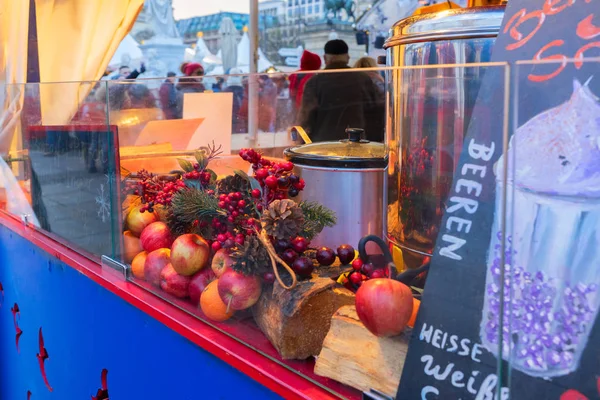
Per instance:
x=354, y=356
x=217, y=111
x=136, y=151
x=177, y=132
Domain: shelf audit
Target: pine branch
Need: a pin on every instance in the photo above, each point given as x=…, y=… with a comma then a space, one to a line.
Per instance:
x=316, y=218
x=191, y=205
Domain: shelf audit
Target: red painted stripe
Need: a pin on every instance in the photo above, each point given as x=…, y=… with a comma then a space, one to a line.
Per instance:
x=269, y=373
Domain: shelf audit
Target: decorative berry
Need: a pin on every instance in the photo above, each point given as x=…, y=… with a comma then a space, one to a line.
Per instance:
x=293, y=192
x=268, y=277
x=368, y=269
x=300, y=184
x=287, y=166
x=228, y=244
x=283, y=181
x=345, y=253
x=294, y=179
x=241, y=203
x=357, y=264
x=256, y=193
x=216, y=246
x=303, y=266
x=378, y=273
x=300, y=244
x=221, y=237
x=325, y=256
x=356, y=278
x=261, y=173
x=281, y=245
x=289, y=256
x=271, y=182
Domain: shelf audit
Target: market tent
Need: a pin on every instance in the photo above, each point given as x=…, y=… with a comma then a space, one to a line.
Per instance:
x=201, y=50
x=243, y=61
x=128, y=48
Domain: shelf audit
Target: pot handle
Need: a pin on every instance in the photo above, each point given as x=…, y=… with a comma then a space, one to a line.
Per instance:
x=297, y=129
x=362, y=252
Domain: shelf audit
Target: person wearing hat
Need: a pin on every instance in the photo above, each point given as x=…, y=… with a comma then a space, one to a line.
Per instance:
x=335, y=101
x=308, y=62
x=190, y=83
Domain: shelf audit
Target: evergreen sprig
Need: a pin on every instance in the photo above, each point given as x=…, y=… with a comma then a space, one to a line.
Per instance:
x=316, y=218
x=190, y=205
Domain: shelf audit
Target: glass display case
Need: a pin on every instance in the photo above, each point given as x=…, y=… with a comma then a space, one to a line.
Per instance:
x=185, y=188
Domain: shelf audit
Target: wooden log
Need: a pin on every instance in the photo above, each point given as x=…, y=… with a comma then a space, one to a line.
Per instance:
x=354, y=356
x=296, y=321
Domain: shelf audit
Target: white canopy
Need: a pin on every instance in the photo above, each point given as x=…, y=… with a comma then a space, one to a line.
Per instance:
x=128, y=48
x=243, y=58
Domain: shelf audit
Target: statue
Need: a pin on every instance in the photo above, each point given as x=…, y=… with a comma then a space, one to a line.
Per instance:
x=160, y=17
x=336, y=6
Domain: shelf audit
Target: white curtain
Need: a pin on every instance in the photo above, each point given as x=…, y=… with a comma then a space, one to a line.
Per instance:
x=76, y=41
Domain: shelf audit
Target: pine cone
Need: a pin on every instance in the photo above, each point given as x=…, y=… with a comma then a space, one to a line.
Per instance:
x=233, y=183
x=251, y=258
x=283, y=219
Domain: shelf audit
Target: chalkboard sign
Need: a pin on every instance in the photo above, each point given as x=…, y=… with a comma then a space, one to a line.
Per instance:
x=74, y=177
x=547, y=344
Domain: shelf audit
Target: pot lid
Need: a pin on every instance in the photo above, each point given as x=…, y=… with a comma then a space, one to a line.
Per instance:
x=451, y=24
x=353, y=152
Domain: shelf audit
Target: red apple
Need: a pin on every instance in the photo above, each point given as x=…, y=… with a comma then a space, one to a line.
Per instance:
x=239, y=291
x=199, y=282
x=155, y=262
x=384, y=306
x=173, y=283
x=189, y=254
x=131, y=246
x=221, y=262
x=137, y=221
x=156, y=236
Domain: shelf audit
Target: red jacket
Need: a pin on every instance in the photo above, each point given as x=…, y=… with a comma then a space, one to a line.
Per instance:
x=308, y=62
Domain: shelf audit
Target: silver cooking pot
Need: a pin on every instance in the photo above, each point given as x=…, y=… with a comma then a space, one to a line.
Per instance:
x=428, y=115
x=348, y=177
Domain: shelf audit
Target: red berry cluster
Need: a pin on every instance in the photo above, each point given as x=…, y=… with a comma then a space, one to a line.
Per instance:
x=198, y=175
x=277, y=179
x=153, y=189
x=236, y=225
x=363, y=272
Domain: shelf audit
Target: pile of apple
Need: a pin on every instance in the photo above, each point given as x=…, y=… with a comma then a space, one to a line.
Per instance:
x=183, y=266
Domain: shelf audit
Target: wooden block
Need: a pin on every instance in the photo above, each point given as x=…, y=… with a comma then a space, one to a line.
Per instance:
x=354, y=356
x=296, y=321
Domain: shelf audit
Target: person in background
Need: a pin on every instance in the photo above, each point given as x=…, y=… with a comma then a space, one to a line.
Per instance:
x=168, y=96
x=234, y=85
x=126, y=73
x=190, y=83
x=308, y=62
x=141, y=97
x=333, y=102
x=218, y=87
x=374, y=115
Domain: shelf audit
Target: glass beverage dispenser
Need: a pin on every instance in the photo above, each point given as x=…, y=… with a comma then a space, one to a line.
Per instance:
x=429, y=111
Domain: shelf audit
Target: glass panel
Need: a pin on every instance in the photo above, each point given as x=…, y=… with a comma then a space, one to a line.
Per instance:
x=65, y=163
x=552, y=231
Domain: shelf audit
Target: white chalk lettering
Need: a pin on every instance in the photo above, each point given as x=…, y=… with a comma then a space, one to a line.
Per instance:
x=460, y=222
x=486, y=390
x=426, y=333
x=455, y=244
x=469, y=205
x=474, y=168
x=437, y=335
x=481, y=152
x=471, y=381
x=469, y=185
x=457, y=377
x=435, y=371
x=464, y=344
x=428, y=389
x=453, y=344
x=475, y=352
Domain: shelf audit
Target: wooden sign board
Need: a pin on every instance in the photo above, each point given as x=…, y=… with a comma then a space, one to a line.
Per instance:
x=216, y=109
x=547, y=344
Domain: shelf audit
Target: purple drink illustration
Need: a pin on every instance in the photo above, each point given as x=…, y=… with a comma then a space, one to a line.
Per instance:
x=550, y=292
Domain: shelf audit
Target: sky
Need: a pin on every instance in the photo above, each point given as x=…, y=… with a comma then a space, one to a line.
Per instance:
x=193, y=8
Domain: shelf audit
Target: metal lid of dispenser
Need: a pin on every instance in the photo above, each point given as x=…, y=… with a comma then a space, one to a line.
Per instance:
x=451, y=24
x=351, y=153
